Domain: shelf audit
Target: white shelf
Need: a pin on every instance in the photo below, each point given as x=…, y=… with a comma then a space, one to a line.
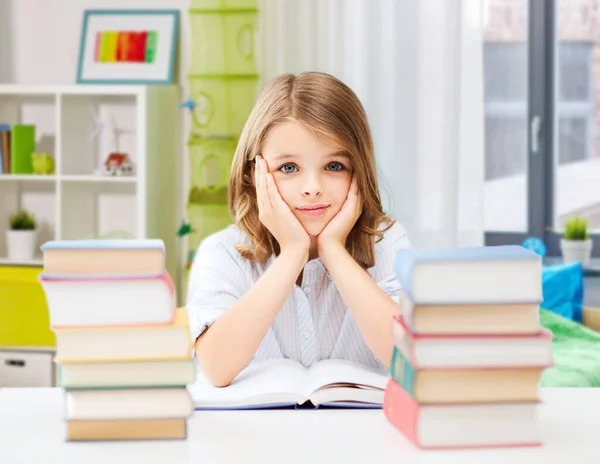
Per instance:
x=67, y=178
x=23, y=90
x=35, y=262
x=26, y=177
x=105, y=179
x=76, y=203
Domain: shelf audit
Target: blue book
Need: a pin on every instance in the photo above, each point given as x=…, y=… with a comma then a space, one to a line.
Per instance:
x=3, y=127
x=471, y=275
x=104, y=244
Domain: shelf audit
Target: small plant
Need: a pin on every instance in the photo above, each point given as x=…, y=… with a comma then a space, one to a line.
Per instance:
x=22, y=220
x=576, y=228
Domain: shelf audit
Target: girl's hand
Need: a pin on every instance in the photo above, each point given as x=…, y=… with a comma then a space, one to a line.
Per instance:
x=336, y=231
x=275, y=214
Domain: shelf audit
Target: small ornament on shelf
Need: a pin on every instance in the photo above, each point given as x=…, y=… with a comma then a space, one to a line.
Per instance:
x=118, y=164
x=21, y=236
x=189, y=104
x=43, y=164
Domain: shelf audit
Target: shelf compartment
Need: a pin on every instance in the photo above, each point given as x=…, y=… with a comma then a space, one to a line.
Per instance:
x=39, y=198
x=210, y=162
x=223, y=104
x=37, y=109
x=92, y=210
x=223, y=41
x=93, y=126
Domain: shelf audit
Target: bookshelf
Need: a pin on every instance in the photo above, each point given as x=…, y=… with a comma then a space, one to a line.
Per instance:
x=78, y=125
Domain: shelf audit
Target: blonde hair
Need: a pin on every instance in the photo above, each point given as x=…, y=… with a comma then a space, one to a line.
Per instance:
x=330, y=110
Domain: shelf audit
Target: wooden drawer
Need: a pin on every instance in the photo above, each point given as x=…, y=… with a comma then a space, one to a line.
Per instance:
x=26, y=369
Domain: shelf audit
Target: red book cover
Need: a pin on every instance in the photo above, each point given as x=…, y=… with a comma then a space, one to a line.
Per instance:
x=404, y=414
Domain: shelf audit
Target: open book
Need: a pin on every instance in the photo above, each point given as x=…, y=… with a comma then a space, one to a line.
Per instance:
x=284, y=383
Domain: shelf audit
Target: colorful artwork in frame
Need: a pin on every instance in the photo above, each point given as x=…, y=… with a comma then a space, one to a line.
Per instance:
x=128, y=47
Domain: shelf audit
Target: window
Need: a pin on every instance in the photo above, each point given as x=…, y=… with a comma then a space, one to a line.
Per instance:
x=542, y=101
x=575, y=102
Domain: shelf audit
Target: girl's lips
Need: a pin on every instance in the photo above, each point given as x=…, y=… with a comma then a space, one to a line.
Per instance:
x=314, y=211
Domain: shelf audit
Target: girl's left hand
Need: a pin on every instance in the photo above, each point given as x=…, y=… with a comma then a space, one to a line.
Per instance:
x=337, y=230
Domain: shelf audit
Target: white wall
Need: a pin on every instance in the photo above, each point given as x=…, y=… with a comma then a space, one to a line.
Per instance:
x=45, y=36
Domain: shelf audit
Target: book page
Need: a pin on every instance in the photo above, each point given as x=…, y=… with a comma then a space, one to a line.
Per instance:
x=273, y=381
x=331, y=372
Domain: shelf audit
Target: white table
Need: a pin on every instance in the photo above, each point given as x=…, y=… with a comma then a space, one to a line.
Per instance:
x=32, y=430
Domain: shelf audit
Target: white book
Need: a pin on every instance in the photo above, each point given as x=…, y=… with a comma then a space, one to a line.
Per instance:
x=452, y=276
x=284, y=382
x=126, y=343
x=134, y=403
x=86, y=302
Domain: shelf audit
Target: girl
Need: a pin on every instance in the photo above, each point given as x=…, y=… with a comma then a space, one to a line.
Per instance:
x=307, y=270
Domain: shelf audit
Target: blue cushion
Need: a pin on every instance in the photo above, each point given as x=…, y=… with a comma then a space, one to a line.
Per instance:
x=562, y=286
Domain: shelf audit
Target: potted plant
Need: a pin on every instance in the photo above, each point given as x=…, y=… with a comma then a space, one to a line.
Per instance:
x=576, y=244
x=21, y=238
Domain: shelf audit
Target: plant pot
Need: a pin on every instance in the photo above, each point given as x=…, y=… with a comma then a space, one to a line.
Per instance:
x=20, y=244
x=576, y=250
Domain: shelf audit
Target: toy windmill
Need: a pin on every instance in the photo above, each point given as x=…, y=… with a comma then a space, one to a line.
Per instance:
x=96, y=135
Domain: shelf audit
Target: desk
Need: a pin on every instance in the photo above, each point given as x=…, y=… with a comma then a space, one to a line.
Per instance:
x=32, y=431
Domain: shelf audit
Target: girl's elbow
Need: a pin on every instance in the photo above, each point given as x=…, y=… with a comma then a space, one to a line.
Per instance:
x=218, y=379
x=214, y=373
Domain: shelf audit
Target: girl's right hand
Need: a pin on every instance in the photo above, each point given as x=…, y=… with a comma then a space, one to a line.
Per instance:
x=275, y=214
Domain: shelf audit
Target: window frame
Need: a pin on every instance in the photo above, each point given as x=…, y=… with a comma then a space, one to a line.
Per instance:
x=541, y=102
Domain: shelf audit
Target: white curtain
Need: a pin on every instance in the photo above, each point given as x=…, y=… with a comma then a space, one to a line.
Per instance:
x=417, y=68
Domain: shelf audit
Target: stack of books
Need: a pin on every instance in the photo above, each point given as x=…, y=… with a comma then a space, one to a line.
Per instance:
x=123, y=349
x=469, y=349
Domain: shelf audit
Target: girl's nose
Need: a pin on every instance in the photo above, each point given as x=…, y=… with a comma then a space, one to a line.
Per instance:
x=312, y=187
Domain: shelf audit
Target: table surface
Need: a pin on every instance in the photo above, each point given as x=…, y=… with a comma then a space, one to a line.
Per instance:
x=32, y=430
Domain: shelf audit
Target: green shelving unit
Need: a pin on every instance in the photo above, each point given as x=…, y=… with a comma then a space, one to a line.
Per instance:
x=223, y=82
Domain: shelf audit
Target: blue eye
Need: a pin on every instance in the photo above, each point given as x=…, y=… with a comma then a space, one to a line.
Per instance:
x=287, y=171
x=337, y=166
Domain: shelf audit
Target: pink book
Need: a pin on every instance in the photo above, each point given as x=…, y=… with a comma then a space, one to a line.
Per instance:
x=442, y=351
x=452, y=426
x=119, y=301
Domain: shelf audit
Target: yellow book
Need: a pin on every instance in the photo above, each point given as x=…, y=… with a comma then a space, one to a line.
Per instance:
x=125, y=343
x=150, y=429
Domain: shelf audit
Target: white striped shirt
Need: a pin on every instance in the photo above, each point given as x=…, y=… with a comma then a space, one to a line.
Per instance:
x=309, y=327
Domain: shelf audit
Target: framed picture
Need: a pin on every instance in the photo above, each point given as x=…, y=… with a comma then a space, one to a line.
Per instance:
x=128, y=46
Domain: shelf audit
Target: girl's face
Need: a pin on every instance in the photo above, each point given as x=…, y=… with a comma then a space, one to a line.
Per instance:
x=312, y=176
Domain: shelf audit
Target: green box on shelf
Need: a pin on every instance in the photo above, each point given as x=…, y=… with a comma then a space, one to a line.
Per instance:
x=22, y=145
x=210, y=163
x=222, y=4
x=223, y=41
x=223, y=104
